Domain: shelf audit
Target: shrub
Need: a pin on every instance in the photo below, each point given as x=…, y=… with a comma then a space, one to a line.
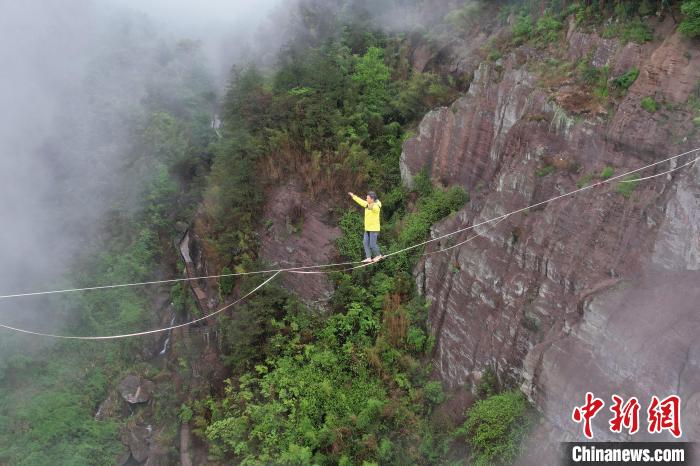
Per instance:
x=226, y=283
x=595, y=77
x=371, y=76
x=547, y=30
x=628, y=185
x=432, y=208
x=546, y=170
x=530, y=322
x=522, y=29
x=296, y=454
x=370, y=413
x=495, y=428
x=584, y=180
x=422, y=184
x=649, y=104
x=637, y=32
x=634, y=31
x=415, y=339
x=690, y=26
x=586, y=15
x=185, y=414
x=488, y=384
x=385, y=450
x=607, y=172
x=645, y=8
x=626, y=80
x=413, y=98
x=627, y=9
x=349, y=244
x=588, y=73
x=434, y=392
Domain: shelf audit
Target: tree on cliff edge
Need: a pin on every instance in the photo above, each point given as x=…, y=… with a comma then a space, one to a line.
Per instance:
x=691, y=23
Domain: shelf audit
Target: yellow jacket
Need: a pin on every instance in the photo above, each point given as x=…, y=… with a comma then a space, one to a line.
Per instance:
x=371, y=213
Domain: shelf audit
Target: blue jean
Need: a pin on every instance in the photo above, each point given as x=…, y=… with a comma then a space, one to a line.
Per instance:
x=370, y=242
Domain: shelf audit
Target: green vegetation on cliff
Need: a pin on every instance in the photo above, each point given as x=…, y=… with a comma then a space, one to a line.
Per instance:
x=691, y=22
x=495, y=426
x=352, y=386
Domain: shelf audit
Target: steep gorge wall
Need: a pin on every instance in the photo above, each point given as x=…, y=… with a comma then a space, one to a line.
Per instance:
x=593, y=292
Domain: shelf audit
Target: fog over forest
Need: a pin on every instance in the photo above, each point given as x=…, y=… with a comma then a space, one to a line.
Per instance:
x=73, y=76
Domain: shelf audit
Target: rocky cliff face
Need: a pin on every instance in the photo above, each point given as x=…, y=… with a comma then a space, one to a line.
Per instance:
x=594, y=292
x=297, y=228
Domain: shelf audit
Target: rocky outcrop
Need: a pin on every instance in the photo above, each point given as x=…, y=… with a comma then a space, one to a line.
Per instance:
x=132, y=403
x=463, y=144
x=669, y=76
x=138, y=439
x=591, y=292
x=677, y=245
x=135, y=389
x=206, y=290
x=112, y=407
x=456, y=49
x=297, y=232
x=145, y=445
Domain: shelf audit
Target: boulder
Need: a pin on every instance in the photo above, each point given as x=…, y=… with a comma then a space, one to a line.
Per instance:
x=138, y=439
x=135, y=389
x=111, y=407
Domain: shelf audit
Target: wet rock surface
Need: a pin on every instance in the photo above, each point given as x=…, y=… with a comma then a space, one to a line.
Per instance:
x=591, y=292
x=138, y=439
x=112, y=407
x=135, y=389
x=205, y=290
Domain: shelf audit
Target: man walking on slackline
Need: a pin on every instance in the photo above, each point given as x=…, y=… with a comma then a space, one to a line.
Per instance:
x=372, y=208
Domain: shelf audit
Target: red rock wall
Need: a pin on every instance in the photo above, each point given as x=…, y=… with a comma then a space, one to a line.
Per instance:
x=591, y=292
x=296, y=231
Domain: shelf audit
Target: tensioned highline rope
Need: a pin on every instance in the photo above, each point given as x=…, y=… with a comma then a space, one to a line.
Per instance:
x=172, y=280
x=165, y=329
x=301, y=269
x=147, y=332
x=298, y=269
x=570, y=193
x=660, y=174
x=424, y=254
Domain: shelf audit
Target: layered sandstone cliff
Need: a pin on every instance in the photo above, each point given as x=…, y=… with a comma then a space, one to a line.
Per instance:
x=594, y=292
